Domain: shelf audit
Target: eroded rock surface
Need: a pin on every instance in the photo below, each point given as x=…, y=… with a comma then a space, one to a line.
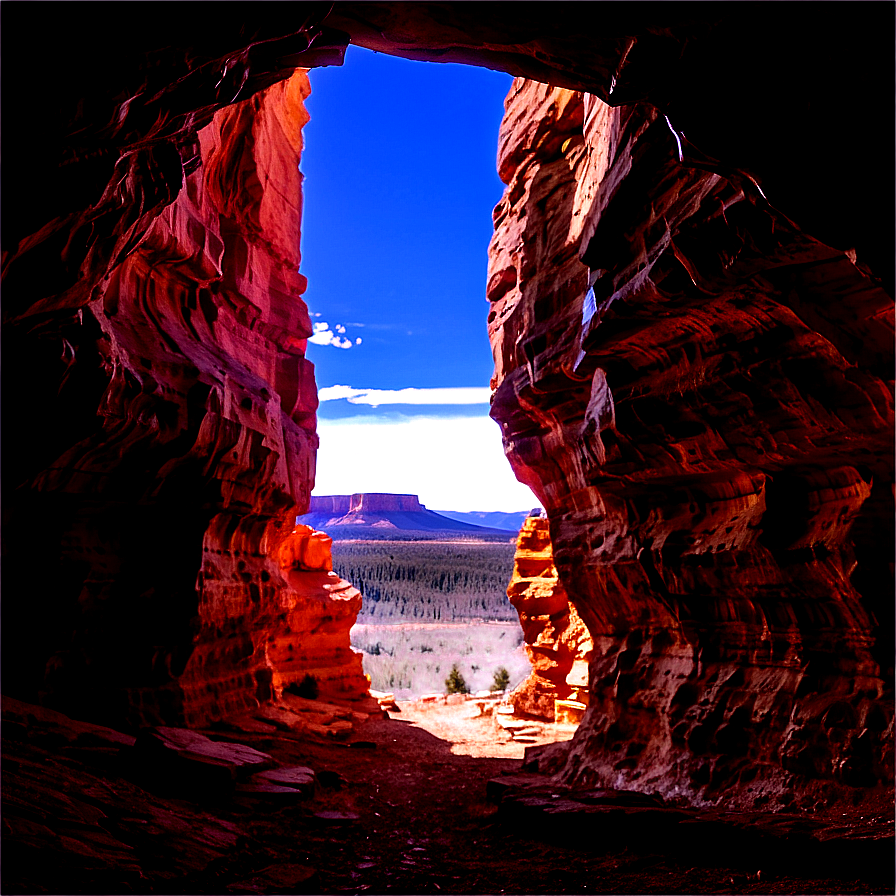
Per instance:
x=317, y=611
x=556, y=638
x=695, y=388
x=710, y=427
x=196, y=445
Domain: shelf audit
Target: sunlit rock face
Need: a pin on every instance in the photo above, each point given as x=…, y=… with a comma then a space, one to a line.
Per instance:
x=696, y=390
x=310, y=636
x=555, y=635
x=180, y=446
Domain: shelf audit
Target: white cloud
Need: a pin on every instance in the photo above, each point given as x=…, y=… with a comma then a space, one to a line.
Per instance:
x=376, y=397
x=451, y=463
x=332, y=393
x=323, y=335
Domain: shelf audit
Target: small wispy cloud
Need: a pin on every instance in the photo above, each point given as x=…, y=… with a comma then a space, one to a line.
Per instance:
x=412, y=395
x=323, y=335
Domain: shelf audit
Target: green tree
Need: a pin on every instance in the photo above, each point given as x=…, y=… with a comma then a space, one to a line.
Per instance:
x=454, y=683
x=502, y=680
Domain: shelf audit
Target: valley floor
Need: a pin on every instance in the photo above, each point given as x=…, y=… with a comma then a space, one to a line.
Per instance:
x=413, y=658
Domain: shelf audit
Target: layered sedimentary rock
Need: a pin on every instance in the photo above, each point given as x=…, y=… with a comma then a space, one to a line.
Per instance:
x=555, y=636
x=196, y=443
x=693, y=379
x=696, y=390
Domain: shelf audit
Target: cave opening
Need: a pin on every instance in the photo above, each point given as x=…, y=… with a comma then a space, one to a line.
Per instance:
x=399, y=179
x=711, y=436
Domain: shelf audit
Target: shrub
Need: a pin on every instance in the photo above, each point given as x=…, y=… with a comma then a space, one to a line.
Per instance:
x=454, y=683
x=502, y=680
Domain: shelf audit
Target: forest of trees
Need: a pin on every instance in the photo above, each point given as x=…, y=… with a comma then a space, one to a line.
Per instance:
x=428, y=581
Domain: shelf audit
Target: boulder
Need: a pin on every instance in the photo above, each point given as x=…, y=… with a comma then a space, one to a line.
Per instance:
x=297, y=777
x=195, y=759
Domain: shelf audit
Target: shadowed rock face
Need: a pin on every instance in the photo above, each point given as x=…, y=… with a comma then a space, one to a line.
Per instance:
x=694, y=380
x=710, y=431
x=163, y=409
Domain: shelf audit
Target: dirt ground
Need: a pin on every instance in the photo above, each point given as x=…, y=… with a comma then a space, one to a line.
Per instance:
x=402, y=809
x=429, y=828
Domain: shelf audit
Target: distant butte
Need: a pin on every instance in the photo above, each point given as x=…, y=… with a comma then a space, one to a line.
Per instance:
x=378, y=513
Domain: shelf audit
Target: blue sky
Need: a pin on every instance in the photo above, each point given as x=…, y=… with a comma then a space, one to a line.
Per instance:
x=400, y=182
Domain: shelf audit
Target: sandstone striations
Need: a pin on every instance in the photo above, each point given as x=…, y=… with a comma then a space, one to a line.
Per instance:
x=556, y=638
x=196, y=444
x=711, y=435
x=693, y=353
x=311, y=634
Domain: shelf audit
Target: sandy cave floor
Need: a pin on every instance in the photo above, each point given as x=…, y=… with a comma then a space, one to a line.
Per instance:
x=408, y=815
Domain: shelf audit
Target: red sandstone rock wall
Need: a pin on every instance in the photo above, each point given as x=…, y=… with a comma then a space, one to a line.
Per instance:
x=711, y=433
x=555, y=635
x=697, y=391
x=200, y=451
x=310, y=634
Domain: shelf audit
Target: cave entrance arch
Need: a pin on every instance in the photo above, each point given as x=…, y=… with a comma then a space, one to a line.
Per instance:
x=85, y=267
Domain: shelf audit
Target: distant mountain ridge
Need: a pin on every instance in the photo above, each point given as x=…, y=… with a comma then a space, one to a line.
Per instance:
x=379, y=515
x=494, y=519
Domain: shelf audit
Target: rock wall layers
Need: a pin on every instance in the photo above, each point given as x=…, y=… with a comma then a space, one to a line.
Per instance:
x=193, y=451
x=694, y=363
x=697, y=390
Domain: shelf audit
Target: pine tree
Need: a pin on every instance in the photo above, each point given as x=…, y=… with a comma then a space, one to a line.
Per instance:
x=454, y=683
x=502, y=680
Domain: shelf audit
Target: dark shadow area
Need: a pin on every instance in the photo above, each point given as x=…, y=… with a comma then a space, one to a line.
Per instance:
x=394, y=811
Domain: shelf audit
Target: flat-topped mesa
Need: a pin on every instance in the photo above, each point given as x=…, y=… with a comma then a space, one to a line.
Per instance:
x=333, y=505
x=376, y=502
x=365, y=502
